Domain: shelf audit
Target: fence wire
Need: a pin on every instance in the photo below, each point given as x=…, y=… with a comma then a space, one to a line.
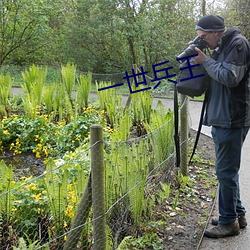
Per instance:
x=44, y=210
x=41, y=210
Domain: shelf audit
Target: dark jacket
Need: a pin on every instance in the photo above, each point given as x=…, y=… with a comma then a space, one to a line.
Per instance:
x=228, y=103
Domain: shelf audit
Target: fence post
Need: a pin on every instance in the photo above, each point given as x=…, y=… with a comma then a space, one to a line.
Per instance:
x=128, y=102
x=98, y=195
x=184, y=135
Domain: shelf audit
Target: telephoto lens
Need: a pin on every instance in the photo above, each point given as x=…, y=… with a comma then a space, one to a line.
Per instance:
x=189, y=51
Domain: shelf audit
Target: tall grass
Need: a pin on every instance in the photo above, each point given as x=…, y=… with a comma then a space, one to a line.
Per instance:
x=48, y=98
x=110, y=102
x=33, y=86
x=161, y=132
x=141, y=109
x=68, y=74
x=83, y=91
x=5, y=90
x=6, y=197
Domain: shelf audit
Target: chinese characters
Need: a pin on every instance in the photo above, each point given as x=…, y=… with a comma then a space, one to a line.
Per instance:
x=156, y=70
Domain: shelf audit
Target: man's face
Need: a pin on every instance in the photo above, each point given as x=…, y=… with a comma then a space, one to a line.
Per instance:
x=211, y=38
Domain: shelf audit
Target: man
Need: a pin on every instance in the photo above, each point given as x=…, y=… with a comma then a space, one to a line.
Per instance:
x=228, y=112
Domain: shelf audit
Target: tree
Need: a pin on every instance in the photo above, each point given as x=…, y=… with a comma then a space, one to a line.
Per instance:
x=95, y=40
x=20, y=22
x=107, y=36
x=237, y=13
x=102, y=36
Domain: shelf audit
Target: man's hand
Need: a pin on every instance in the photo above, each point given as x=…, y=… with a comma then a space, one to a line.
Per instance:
x=201, y=56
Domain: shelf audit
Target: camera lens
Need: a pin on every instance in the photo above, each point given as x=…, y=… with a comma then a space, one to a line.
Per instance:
x=189, y=51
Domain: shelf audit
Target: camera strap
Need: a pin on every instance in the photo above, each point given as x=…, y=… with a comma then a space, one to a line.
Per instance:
x=176, y=126
x=200, y=126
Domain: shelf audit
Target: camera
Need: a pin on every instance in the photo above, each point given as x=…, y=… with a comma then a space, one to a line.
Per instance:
x=197, y=42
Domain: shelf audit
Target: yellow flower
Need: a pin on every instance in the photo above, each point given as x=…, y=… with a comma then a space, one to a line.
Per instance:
x=73, y=199
x=69, y=211
x=16, y=152
x=37, y=196
x=14, y=209
x=38, y=155
x=102, y=112
x=45, y=151
x=6, y=132
x=31, y=187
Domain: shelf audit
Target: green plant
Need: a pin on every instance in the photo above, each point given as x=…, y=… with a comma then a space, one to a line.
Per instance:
x=34, y=81
x=164, y=191
x=147, y=241
x=48, y=98
x=104, y=95
x=23, y=134
x=184, y=181
x=64, y=182
x=161, y=128
x=112, y=108
x=6, y=184
x=176, y=199
x=68, y=74
x=142, y=107
x=30, y=207
x=59, y=103
x=7, y=232
x=56, y=187
x=43, y=137
x=29, y=245
x=83, y=91
x=127, y=160
x=126, y=172
x=5, y=90
x=122, y=126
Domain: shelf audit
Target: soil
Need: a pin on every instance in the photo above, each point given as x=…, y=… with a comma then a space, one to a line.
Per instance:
x=188, y=221
x=25, y=164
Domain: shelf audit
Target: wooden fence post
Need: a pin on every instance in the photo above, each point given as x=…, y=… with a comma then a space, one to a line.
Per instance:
x=98, y=194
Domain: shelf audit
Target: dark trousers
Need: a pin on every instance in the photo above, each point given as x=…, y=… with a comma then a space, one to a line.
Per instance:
x=228, y=145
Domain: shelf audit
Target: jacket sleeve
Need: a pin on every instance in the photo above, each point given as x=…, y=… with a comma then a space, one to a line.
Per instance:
x=234, y=66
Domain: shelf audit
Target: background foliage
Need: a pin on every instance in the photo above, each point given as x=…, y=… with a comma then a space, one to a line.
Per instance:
x=105, y=36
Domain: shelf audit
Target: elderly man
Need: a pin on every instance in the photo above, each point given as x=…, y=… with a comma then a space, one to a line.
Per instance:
x=228, y=112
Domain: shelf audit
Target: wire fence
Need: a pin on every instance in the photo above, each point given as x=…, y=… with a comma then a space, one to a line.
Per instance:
x=45, y=211
x=61, y=208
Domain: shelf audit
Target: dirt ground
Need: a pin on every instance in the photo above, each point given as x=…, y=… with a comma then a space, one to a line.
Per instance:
x=196, y=201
